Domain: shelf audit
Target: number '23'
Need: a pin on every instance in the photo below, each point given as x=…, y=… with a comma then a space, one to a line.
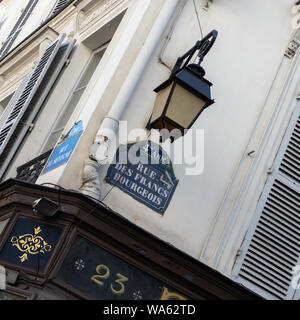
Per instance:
x=103, y=273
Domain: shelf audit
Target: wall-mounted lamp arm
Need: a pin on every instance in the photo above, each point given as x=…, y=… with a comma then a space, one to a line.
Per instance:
x=203, y=46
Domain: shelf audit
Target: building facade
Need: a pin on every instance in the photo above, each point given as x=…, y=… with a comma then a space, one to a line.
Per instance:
x=221, y=203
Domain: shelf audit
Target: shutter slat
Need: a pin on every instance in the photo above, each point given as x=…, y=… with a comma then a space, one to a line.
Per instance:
x=287, y=195
x=270, y=269
x=260, y=274
x=271, y=256
x=276, y=235
x=294, y=145
x=281, y=225
x=282, y=220
x=279, y=241
x=259, y=281
x=262, y=241
x=293, y=158
x=290, y=165
x=296, y=137
x=280, y=201
x=279, y=210
x=290, y=171
x=266, y=261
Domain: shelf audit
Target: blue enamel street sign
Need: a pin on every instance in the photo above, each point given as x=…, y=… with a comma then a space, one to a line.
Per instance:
x=151, y=182
x=63, y=151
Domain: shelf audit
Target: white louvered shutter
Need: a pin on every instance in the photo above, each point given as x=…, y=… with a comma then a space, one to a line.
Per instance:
x=30, y=100
x=272, y=246
x=13, y=100
x=17, y=28
x=59, y=5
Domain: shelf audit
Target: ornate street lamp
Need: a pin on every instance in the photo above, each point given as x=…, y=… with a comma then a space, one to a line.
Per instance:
x=182, y=98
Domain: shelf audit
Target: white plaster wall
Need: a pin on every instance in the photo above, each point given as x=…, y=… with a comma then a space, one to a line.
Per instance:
x=252, y=39
x=253, y=35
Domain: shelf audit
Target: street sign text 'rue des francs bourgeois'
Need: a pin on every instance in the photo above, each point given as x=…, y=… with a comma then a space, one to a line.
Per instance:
x=144, y=171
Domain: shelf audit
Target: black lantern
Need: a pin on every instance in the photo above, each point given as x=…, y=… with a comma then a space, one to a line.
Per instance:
x=183, y=97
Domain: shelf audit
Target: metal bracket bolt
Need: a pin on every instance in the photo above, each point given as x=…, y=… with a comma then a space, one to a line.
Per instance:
x=207, y=5
x=251, y=153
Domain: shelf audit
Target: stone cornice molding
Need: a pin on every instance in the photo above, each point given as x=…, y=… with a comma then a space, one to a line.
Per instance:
x=61, y=21
x=91, y=15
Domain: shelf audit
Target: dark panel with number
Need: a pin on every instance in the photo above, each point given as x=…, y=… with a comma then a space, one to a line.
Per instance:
x=30, y=244
x=101, y=275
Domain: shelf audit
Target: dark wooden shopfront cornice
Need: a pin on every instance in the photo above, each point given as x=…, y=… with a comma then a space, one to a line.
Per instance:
x=125, y=240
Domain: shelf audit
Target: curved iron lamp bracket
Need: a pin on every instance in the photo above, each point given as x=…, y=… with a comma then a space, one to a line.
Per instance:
x=203, y=46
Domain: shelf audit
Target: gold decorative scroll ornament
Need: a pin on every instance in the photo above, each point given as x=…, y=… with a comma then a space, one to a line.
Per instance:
x=31, y=244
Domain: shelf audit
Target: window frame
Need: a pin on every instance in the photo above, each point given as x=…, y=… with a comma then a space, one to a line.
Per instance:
x=45, y=145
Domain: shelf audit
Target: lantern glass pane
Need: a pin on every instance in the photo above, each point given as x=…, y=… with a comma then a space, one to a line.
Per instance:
x=184, y=106
x=160, y=103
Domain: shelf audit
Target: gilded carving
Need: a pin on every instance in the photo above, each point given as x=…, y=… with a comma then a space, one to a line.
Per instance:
x=30, y=244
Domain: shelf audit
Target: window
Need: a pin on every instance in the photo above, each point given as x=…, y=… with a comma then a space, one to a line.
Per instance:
x=17, y=28
x=272, y=248
x=73, y=99
x=28, y=99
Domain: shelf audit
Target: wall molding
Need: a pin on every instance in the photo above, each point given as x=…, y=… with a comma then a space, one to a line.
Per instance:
x=93, y=15
x=241, y=198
